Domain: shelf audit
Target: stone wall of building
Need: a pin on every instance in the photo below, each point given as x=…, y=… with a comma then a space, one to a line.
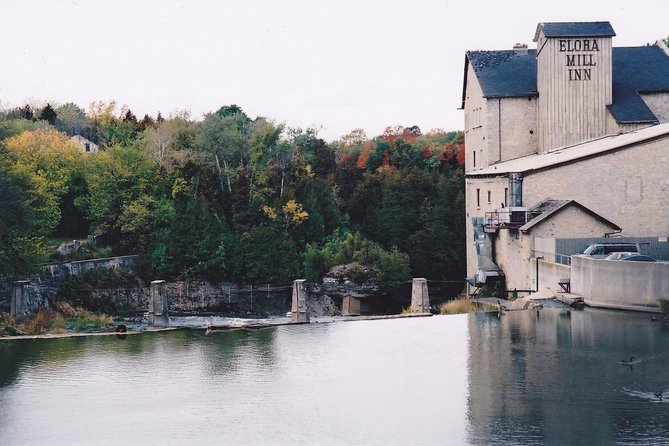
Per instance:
x=518, y=135
x=496, y=186
x=513, y=251
x=476, y=115
x=625, y=187
x=571, y=222
x=658, y=104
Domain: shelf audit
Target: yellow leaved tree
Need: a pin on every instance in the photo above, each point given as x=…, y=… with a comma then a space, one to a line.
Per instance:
x=292, y=214
x=50, y=160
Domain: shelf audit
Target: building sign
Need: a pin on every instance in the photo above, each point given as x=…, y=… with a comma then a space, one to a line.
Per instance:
x=579, y=57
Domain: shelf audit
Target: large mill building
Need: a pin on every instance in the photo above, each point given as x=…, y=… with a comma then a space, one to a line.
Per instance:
x=566, y=140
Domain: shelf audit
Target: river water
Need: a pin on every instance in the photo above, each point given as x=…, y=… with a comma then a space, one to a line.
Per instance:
x=549, y=378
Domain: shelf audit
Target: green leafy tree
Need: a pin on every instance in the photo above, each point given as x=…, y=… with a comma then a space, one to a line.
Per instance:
x=22, y=249
x=223, y=137
x=270, y=257
x=124, y=200
x=71, y=119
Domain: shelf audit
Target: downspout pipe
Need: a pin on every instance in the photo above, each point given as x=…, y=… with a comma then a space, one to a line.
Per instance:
x=499, y=130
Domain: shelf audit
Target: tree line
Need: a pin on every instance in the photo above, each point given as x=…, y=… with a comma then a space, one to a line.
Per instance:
x=228, y=197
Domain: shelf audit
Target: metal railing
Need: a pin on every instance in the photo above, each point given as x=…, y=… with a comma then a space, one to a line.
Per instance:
x=562, y=259
x=508, y=218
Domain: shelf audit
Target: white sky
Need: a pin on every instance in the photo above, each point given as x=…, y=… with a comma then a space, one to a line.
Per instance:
x=334, y=64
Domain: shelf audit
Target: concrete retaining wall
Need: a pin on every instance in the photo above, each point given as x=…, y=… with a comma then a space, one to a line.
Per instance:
x=550, y=274
x=619, y=284
x=65, y=269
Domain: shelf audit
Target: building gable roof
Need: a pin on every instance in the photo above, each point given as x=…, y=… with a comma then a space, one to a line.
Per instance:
x=548, y=208
x=575, y=29
x=511, y=73
x=503, y=73
x=637, y=70
x=590, y=149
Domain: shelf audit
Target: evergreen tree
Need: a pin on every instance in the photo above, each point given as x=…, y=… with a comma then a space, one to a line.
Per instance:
x=48, y=114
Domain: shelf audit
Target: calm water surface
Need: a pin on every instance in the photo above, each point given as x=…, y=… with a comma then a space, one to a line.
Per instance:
x=554, y=378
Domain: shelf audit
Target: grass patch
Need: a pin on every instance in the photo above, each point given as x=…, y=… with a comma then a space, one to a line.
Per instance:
x=407, y=310
x=64, y=319
x=458, y=306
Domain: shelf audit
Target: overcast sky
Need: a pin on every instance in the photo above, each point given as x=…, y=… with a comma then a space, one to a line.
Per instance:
x=335, y=64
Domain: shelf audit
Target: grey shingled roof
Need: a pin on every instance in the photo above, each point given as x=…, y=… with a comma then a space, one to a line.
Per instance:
x=575, y=29
x=549, y=207
x=511, y=73
x=505, y=73
x=637, y=69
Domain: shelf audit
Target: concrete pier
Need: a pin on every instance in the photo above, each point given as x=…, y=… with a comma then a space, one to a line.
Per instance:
x=350, y=306
x=299, y=311
x=420, y=298
x=158, y=316
x=18, y=306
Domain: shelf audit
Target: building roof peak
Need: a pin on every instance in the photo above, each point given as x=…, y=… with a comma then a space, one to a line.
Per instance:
x=574, y=29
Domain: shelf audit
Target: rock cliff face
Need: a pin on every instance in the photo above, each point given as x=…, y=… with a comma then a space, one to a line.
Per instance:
x=199, y=297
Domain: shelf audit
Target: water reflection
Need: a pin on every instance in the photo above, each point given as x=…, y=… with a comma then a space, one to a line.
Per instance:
x=527, y=378
x=556, y=377
x=389, y=382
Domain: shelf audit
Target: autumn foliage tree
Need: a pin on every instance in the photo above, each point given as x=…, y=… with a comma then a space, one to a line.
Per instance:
x=233, y=198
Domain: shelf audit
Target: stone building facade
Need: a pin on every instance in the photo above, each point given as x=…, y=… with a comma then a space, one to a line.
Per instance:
x=575, y=120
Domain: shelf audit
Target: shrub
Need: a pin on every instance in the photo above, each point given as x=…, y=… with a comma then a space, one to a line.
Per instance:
x=664, y=306
x=346, y=248
x=316, y=263
x=40, y=324
x=7, y=325
x=358, y=273
x=392, y=267
x=458, y=306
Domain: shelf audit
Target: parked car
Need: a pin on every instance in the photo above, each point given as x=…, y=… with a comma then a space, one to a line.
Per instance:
x=601, y=250
x=638, y=258
x=619, y=255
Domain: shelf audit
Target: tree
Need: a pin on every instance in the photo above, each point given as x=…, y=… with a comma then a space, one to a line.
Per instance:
x=269, y=257
x=21, y=248
x=290, y=214
x=146, y=123
x=158, y=139
x=126, y=199
x=51, y=161
x=48, y=114
x=223, y=136
x=71, y=119
x=25, y=112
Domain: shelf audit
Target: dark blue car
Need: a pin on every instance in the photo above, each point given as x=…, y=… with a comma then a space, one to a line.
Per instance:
x=638, y=258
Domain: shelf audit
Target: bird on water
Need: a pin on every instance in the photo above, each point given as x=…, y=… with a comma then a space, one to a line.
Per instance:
x=626, y=362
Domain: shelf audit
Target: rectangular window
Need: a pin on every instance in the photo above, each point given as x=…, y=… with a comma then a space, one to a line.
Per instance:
x=489, y=198
x=474, y=158
x=478, y=198
x=506, y=197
